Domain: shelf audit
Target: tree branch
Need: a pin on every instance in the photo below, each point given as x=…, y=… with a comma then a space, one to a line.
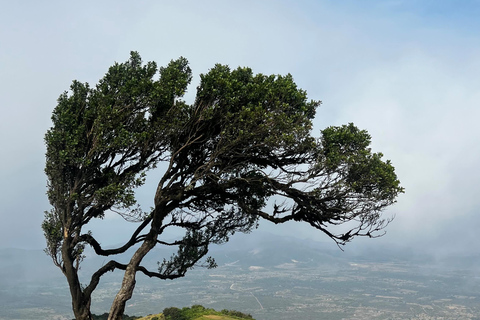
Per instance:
x=133, y=240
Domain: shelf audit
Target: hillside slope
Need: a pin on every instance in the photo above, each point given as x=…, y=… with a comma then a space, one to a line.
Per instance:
x=204, y=317
x=197, y=312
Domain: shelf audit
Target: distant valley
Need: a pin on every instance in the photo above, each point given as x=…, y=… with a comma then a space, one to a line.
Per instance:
x=268, y=276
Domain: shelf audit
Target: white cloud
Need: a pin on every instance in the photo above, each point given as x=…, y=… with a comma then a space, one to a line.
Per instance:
x=422, y=113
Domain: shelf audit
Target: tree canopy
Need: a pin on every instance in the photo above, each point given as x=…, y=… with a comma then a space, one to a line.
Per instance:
x=241, y=152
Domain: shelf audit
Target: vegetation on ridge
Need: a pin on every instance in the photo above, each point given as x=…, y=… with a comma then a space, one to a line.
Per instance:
x=200, y=312
x=196, y=312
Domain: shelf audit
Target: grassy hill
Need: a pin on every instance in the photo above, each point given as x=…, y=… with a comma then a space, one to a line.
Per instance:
x=204, y=317
x=197, y=312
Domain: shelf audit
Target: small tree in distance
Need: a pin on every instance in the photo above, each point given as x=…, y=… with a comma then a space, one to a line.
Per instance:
x=242, y=152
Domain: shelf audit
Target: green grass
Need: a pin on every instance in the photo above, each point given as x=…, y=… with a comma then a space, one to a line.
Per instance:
x=197, y=312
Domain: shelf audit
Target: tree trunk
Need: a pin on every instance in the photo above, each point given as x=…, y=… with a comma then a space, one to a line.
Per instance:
x=128, y=283
x=80, y=302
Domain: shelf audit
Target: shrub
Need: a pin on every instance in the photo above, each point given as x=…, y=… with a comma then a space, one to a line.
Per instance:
x=173, y=314
x=235, y=313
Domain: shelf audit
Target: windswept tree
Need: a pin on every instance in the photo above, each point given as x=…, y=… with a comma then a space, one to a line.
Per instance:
x=243, y=151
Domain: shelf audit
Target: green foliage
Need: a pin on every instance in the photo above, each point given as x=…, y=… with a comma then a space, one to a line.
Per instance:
x=174, y=314
x=103, y=140
x=346, y=152
x=253, y=113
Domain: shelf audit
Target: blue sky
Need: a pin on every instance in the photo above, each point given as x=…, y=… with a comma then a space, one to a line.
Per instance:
x=407, y=71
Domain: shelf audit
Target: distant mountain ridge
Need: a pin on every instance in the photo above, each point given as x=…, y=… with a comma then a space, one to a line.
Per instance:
x=32, y=287
x=258, y=248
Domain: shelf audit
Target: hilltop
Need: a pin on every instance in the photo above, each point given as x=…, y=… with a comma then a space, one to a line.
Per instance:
x=196, y=312
x=160, y=316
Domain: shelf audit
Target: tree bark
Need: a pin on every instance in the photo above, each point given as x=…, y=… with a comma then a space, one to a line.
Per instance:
x=128, y=283
x=80, y=301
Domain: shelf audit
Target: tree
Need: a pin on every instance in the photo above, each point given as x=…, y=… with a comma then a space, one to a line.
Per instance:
x=243, y=151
